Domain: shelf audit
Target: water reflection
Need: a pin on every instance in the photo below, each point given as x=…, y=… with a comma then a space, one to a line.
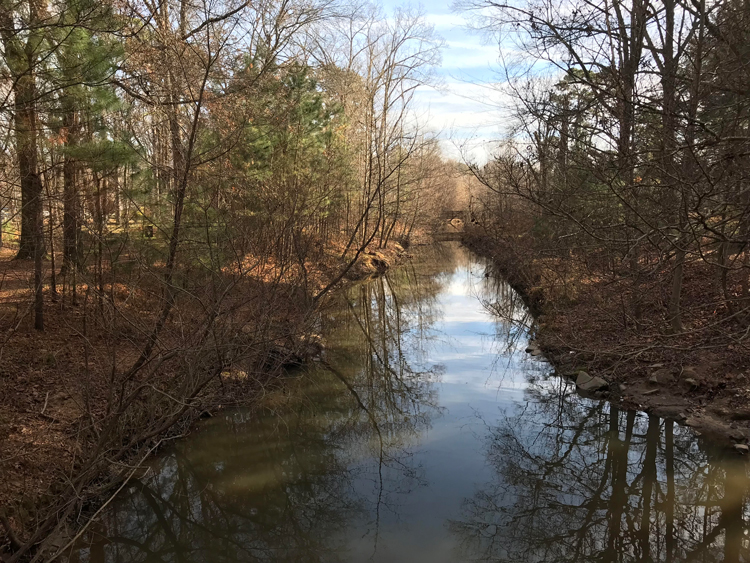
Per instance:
x=514, y=321
x=333, y=454
x=428, y=435
x=575, y=480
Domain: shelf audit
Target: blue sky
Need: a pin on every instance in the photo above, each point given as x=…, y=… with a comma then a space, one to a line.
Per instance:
x=466, y=110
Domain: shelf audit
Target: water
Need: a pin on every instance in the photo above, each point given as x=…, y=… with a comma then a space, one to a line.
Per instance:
x=433, y=438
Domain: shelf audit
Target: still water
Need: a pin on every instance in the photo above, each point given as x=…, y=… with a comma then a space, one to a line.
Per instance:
x=432, y=438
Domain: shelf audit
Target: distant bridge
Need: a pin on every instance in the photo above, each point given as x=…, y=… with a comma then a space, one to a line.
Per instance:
x=451, y=224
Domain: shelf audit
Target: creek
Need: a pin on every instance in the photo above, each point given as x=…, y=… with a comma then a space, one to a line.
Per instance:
x=433, y=438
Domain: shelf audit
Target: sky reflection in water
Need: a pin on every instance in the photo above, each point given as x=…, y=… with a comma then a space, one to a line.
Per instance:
x=436, y=440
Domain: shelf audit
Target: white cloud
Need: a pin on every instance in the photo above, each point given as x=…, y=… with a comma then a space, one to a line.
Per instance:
x=469, y=111
x=443, y=21
x=468, y=117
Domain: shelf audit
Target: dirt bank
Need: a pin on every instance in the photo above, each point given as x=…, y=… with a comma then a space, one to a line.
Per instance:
x=698, y=378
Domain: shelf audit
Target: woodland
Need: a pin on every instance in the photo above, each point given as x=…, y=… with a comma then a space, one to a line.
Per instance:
x=619, y=200
x=182, y=184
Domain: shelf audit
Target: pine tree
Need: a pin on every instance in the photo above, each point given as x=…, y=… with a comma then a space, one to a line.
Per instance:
x=86, y=59
x=23, y=34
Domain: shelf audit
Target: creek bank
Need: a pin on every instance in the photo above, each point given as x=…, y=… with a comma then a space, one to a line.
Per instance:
x=310, y=346
x=375, y=262
x=667, y=380
x=44, y=405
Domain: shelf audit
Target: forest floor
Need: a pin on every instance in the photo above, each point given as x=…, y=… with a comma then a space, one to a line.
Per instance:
x=699, y=378
x=41, y=406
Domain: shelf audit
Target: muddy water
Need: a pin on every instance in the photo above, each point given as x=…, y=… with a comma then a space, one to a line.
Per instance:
x=435, y=438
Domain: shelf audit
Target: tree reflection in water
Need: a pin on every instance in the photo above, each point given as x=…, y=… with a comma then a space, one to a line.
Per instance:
x=578, y=480
x=336, y=453
x=356, y=460
x=515, y=321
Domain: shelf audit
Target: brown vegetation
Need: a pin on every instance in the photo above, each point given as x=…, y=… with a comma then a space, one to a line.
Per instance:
x=191, y=179
x=67, y=445
x=619, y=200
x=697, y=377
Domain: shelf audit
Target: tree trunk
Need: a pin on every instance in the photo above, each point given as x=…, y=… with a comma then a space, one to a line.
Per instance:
x=31, y=185
x=673, y=188
x=38, y=248
x=71, y=221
